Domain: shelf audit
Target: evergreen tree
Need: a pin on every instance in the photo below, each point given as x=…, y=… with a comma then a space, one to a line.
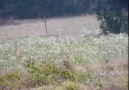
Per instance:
x=113, y=15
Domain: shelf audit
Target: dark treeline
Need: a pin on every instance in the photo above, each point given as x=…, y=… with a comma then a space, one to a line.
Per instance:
x=113, y=14
x=40, y=8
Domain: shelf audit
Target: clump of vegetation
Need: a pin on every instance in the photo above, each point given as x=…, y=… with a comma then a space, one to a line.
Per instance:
x=48, y=72
x=10, y=81
x=98, y=84
x=68, y=85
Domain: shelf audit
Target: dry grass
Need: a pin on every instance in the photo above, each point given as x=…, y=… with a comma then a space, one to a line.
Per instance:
x=69, y=26
x=117, y=79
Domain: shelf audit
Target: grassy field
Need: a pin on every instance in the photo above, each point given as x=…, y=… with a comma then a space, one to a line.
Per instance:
x=63, y=63
x=69, y=26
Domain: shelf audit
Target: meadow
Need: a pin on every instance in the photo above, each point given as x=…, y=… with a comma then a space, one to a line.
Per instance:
x=63, y=26
x=63, y=61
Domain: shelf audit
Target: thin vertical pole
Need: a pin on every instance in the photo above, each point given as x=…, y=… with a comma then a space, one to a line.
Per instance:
x=45, y=24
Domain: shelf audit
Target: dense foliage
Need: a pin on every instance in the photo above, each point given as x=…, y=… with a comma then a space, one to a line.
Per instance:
x=113, y=15
x=39, y=8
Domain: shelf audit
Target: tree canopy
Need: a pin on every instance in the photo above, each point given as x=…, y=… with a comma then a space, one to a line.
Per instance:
x=39, y=8
x=113, y=15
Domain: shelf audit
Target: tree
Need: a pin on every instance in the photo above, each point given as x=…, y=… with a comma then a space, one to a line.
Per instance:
x=39, y=8
x=113, y=15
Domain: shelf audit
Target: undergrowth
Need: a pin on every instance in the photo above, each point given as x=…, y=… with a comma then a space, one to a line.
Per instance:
x=34, y=62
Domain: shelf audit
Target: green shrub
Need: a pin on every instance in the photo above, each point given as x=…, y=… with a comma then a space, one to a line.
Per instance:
x=10, y=80
x=46, y=71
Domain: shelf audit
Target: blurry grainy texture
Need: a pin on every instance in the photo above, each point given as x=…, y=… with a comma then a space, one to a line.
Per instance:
x=72, y=56
x=34, y=62
x=70, y=26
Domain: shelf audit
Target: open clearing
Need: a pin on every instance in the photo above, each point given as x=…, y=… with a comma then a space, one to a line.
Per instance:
x=70, y=26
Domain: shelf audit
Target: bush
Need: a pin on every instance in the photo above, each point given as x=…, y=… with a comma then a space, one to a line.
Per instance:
x=113, y=15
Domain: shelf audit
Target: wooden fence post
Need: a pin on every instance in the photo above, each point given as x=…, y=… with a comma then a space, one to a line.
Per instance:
x=45, y=24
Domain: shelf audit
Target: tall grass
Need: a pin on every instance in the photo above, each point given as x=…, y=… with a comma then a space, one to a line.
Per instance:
x=24, y=58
